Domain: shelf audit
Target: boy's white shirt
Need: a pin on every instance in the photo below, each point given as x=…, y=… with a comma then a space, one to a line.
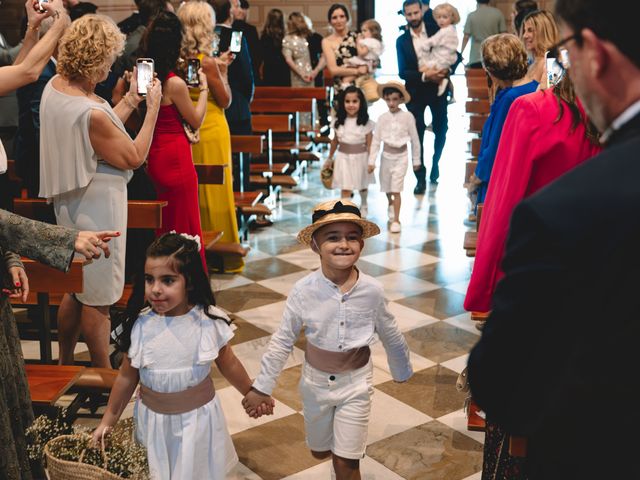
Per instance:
x=336, y=322
x=396, y=130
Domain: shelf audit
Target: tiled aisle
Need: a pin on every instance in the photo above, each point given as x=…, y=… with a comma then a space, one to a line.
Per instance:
x=417, y=429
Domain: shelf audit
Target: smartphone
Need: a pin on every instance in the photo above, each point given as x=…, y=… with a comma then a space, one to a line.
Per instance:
x=554, y=70
x=40, y=2
x=235, y=44
x=229, y=40
x=193, y=80
x=145, y=74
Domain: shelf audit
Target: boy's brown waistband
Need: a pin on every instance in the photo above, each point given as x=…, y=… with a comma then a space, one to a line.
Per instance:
x=178, y=402
x=336, y=362
x=392, y=149
x=352, y=148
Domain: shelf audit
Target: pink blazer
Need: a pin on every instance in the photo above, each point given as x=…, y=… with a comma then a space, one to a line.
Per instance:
x=534, y=150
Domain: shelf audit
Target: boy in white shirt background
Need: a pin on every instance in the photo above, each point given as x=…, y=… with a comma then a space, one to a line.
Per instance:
x=341, y=309
x=395, y=129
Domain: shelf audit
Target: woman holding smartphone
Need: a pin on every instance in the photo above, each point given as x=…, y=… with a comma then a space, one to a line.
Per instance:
x=539, y=34
x=217, y=205
x=170, y=163
x=86, y=159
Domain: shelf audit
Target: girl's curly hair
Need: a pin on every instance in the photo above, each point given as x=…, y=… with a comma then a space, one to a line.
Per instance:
x=89, y=47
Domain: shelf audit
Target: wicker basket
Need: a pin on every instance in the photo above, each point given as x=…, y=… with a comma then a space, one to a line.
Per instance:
x=326, y=175
x=67, y=470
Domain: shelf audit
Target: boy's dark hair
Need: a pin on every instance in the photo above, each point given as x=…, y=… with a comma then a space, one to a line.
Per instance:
x=162, y=41
x=222, y=9
x=389, y=90
x=606, y=23
x=183, y=252
x=406, y=3
x=341, y=113
x=335, y=7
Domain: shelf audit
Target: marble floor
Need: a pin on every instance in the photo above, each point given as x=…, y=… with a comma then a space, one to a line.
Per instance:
x=417, y=429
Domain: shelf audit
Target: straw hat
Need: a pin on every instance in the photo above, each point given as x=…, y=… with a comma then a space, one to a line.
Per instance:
x=397, y=85
x=334, y=211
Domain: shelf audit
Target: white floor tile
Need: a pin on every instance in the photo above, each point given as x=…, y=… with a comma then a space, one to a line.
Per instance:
x=460, y=287
x=464, y=322
x=475, y=476
x=305, y=258
x=251, y=353
x=458, y=421
x=379, y=358
x=237, y=419
x=401, y=259
x=398, y=285
x=254, y=255
x=221, y=281
x=383, y=424
x=408, y=318
x=409, y=236
x=457, y=364
x=268, y=317
x=285, y=283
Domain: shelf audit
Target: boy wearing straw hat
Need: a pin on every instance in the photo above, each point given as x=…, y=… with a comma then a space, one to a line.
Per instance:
x=395, y=129
x=340, y=309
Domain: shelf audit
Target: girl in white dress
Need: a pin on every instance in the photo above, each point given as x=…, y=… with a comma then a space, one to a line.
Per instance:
x=350, y=146
x=171, y=335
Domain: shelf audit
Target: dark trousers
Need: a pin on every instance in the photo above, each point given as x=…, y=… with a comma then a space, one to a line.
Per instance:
x=242, y=127
x=438, y=107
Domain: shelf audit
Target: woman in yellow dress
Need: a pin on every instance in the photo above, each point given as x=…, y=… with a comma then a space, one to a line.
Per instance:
x=217, y=206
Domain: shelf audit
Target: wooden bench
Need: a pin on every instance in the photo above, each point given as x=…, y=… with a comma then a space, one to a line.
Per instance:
x=478, y=106
x=470, y=243
x=475, y=423
x=480, y=93
x=47, y=383
x=475, y=145
x=320, y=94
x=46, y=287
x=476, y=122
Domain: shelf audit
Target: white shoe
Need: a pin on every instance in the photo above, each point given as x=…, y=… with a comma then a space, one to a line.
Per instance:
x=391, y=218
x=363, y=211
x=395, y=227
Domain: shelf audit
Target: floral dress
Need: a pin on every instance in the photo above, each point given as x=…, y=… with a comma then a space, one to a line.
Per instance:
x=346, y=49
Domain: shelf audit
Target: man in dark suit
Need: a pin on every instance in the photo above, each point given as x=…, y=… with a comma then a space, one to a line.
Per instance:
x=241, y=23
x=558, y=358
x=422, y=85
x=242, y=85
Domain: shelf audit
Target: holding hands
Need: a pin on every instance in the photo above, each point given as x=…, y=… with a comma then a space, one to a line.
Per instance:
x=256, y=403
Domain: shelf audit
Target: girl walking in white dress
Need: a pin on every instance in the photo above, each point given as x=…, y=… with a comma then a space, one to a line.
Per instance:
x=349, y=152
x=171, y=336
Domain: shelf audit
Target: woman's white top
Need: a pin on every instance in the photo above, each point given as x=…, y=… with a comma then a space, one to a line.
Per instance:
x=173, y=354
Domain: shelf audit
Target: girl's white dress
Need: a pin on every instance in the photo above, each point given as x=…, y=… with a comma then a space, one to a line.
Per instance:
x=350, y=170
x=172, y=354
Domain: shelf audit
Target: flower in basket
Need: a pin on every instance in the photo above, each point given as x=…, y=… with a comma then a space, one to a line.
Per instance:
x=326, y=176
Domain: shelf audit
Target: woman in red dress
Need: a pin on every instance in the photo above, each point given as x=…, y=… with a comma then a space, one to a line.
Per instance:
x=170, y=164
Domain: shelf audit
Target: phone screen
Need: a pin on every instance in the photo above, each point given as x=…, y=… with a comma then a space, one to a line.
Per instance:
x=192, y=72
x=145, y=74
x=236, y=42
x=554, y=71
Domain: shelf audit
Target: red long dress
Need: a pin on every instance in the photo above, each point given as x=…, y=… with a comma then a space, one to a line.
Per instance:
x=534, y=150
x=174, y=176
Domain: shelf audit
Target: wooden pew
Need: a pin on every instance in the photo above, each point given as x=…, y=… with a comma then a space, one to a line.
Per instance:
x=46, y=287
x=475, y=146
x=319, y=93
x=478, y=106
x=471, y=238
x=476, y=122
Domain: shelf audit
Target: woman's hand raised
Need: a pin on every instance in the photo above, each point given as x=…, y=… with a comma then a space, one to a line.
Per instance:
x=154, y=95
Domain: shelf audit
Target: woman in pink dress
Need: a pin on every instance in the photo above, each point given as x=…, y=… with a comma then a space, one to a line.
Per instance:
x=545, y=135
x=170, y=164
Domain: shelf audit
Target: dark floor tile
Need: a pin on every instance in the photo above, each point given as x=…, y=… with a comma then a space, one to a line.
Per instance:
x=431, y=451
x=440, y=341
x=442, y=303
x=247, y=297
x=268, y=268
x=277, y=245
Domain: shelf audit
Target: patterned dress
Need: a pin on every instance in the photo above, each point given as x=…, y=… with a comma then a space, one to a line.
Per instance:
x=296, y=48
x=346, y=49
x=52, y=245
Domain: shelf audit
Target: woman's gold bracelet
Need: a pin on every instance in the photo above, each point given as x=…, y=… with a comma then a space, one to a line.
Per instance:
x=32, y=28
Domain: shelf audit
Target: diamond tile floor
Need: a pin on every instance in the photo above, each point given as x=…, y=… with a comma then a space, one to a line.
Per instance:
x=424, y=271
